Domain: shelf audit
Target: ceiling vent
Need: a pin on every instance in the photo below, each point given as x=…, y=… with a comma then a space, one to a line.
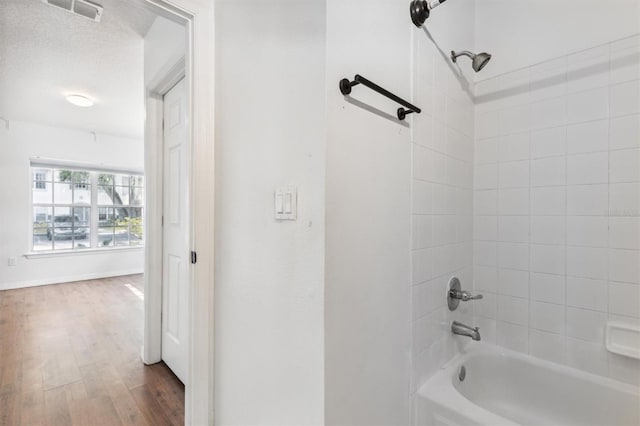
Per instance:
x=83, y=8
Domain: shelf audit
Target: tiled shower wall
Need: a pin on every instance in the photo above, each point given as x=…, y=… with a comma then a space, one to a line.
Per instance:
x=557, y=207
x=442, y=202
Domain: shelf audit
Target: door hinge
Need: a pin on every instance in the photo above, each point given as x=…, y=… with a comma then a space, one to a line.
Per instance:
x=194, y=257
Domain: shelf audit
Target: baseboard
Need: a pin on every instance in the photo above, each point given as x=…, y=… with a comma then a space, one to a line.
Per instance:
x=70, y=278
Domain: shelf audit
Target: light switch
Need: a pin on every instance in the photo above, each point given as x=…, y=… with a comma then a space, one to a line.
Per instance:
x=286, y=200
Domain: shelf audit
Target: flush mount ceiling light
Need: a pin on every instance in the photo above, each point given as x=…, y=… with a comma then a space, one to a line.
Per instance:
x=79, y=100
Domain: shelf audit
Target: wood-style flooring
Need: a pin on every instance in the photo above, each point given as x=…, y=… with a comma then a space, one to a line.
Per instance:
x=70, y=355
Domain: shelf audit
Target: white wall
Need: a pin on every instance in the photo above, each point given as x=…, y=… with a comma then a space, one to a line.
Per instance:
x=557, y=207
x=270, y=132
x=164, y=46
x=399, y=203
x=24, y=141
x=520, y=33
x=442, y=207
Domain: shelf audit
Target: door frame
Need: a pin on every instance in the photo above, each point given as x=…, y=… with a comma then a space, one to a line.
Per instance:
x=198, y=69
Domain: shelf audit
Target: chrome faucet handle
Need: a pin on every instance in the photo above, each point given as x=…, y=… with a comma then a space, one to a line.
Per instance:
x=455, y=294
x=463, y=295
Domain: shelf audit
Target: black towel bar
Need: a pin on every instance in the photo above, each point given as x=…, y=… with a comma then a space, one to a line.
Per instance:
x=346, y=85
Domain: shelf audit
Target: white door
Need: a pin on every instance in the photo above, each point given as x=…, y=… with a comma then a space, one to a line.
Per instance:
x=175, y=253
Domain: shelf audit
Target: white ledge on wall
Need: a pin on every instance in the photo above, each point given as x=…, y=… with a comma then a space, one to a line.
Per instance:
x=44, y=254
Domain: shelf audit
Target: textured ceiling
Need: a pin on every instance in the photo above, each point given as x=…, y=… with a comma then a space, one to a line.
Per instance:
x=47, y=53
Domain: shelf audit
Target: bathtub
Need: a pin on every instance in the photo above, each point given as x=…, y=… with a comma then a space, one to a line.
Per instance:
x=502, y=387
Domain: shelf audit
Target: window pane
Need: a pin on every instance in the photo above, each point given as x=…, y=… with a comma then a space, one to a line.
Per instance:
x=62, y=193
x=62, y=217
x=81, y=238
x=137, y=196
x=122, y=235
x=42, y=216
x=137, y=181
x=63, y=238
x=121, y=180
x=121, y=196
x=42, y=174
x=105, y=195
x=82, y=193
x=81, y=216
x=41, y=241
x=105, y=237
x=106, y=216
x=43, y=195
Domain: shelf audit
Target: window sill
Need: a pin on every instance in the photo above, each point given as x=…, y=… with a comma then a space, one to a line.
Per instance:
x=89, y=251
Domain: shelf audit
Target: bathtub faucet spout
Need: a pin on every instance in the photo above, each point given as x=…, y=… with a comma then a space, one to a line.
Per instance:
x=464, y=330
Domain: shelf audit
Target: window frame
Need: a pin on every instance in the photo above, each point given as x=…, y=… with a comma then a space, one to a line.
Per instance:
x=92, y=225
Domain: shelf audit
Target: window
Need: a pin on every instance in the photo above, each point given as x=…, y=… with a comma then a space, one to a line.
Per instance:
x=79, y=209
x=39, y=179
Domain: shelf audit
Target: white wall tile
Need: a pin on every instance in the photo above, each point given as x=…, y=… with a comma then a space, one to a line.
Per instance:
x=624, y=369
x=624, y=132
x=485, y=202
x=513, y=256
x=588, y=105
x=512, y=336
x=421, y=231
x=513, y=229
x=624, y=165
x=548, y=346
x=587, y=262
x=548, y=171
x=588, y=137
x=548, y=317
x=486, y=176
x=549, y=113
x=488, y=125
x=422, y=265
x=588, y=168
x=515, y=119
x=589, y=231
x=486, y=307
x=512, y=282
x=513, y=201
x=548, y=142
x=485, y=278
x=548, y=230
x=587, y=200
x=513, y=174
x=485, y=228
x=624, y=299
x=591, y=357
x=547, y=287
x=624, y=266
x=548, y=201
x=624, y=232
x=513, y=310
x=485, y=253
x=586, y=325
x=625, y=98
x=587, y=293
x=513, y=147
x=486, y=151
x=548, y=259
x=422, y=197
x=625, y=199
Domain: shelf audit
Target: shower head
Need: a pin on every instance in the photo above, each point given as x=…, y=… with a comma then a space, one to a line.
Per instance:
x=478, y=62
x=421, y=9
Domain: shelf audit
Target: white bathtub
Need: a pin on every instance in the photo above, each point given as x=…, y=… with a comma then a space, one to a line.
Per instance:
x=507, y=388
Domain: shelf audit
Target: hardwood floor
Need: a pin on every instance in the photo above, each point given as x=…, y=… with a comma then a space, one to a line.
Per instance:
x=70, y=355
